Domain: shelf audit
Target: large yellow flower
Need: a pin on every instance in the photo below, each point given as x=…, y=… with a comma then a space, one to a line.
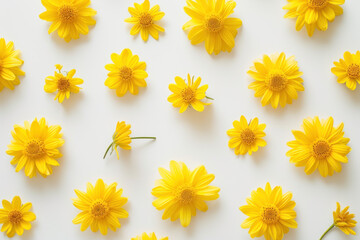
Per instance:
x=126, y=74
x=210, y=23
x=181, y=191
x=246, y=137
x=144, y=20
x=270, y=213
x=145, y=236
x=190, y=94
x=69, y=17
x=313, y=13
x=16, y=217
x=101, y=207
x=65, y=85
x=35, y=147
x=9, y=65
x=277, y=79
x=321, y=146
x=348, y=70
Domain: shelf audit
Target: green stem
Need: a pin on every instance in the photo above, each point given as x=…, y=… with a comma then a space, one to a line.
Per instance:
x=209, y=98
x=143, y=138
x=328, y=230
x=107, y=150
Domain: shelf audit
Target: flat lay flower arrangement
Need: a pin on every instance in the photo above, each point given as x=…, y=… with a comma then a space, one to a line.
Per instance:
x=149, y=120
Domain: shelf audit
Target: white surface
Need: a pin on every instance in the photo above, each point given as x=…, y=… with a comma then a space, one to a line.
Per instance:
x=88, y=119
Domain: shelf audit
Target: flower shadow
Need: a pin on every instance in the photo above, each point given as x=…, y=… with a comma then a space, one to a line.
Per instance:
x=72, y=101
x=200, y=121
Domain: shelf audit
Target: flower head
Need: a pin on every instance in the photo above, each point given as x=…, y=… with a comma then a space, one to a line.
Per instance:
x=151, y=236
x=348, y=70
x=277, y=80
x=64, y=84
x=181, y=191
x=246, y=137
x=270, y=213
x=10, y=63
x=71, y=18
x=144, y=20
x=210, y=23
x=101, y=207
x=35, y=147
x=322, y=146
x=313, y=13
x=188, y=94
x=344, y=220
x=16, y=217
x=126, y=73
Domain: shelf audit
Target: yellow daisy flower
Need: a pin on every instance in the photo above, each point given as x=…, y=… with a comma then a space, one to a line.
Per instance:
x=126, y=74
x=246, y=137
x=322, y=146
x=144, y=20
x=313, y=13
x=277, y=79
x=9, y=65
x=190, y=94
x=181, y=191
x=35, y=147
x=16, y=217
x=101, y=207
x=145, y=236
x=210, y=23
x=348, y=70
x=270, y=213
x=65, y=85
x=70, y=18
x=121, y=138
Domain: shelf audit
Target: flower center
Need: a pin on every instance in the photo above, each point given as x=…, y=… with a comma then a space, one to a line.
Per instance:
x=188, y=95
x=277, y=81
x=317, y=3
x=63, y=84
x=15, y=217
x=35, y=148
x=213, y=24
x=185, y=195
x=321, y=149
x=146, y=20
x=270, y=214
x=353, y=71
x=126, y=73
x=99, y=209
x=247, y=136
x=67, y=13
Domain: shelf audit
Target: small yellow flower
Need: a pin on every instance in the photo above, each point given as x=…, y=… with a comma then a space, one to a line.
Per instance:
x=65, y=85
x=16, y=217
x=277, y=80
x=210, y=23
x=190, y=94
x=121, y=138
x=70, y=18
x=270, y=213
x=35, y=147
x=144, y=20
x=246, y=137
x=348, y=70
x=181, y=191
x=145, y=236
x=10, y=63
x=321, y=146
x=126, y=74
x=313, y=13
x=101, y=207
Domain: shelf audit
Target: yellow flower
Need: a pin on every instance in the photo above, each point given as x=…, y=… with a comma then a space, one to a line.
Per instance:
x=181, y=191
x=145, y=236
x=65, y=85
x=277, y=80
x=348, y=70
x=313, y=13
x=270, y=213
x=210, y=23
x=16, y=217
x=246, y=137
x=9, y=65
x=190, y=94
x=321, y=146
x=71, y=18
x=121, y=138
x=144, y=20
x=101, y=207
x=35, y=147
x=126, y=74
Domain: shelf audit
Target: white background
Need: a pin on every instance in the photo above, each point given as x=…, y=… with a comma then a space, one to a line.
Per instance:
x=88, y=119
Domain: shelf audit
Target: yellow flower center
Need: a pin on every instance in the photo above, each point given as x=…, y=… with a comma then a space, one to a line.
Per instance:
x=126, y=73
x=35, y=148
x=321, y=149
x=270, y=214
x=353, y=71
x=276, y=81
x=67, y=13
x=146, y=20
x=213, y=24
x=188, y=94
x=63, y=84
x=99, y=209
x=317, y=3
x=248, y=137
x=185, y=195
x=15, y=217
